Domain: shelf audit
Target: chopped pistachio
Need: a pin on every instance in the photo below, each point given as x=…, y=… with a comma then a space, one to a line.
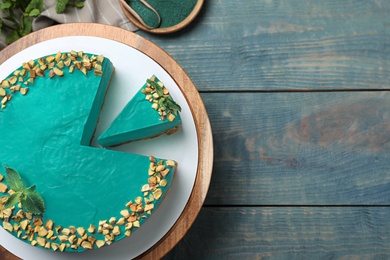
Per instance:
x=125, y=213
x=42, y=232
x=81, y=231
x=49, y=224
x=24, y=224
x=58, y=72
x=116, y=231
x=171, y=117
x=41, y=241
x=91, y=228
x=157, y=194
x=23, y=91
x=112, y=220
x=7, y=226
x=3, y=188
x=149, y=207
x=136, y=224
x=63, y=238
x=72, y=230
x=62, y=247
x=121, y=221
x=86, y=245
x=72, y=239
x=55, y=246
x=37, y=222
x=100, y=243
x=50, y=234
x=163, y=183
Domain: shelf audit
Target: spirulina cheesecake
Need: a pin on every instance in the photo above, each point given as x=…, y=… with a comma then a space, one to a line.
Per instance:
x=56, y=191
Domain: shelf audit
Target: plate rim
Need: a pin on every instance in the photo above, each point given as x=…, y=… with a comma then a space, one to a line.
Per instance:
x=190, y=93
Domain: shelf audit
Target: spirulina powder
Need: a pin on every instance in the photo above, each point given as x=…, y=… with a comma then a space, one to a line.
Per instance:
x=171, y=12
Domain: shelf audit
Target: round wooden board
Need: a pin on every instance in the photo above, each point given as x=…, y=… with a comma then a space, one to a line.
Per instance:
x=202, y=123
x=177, y=27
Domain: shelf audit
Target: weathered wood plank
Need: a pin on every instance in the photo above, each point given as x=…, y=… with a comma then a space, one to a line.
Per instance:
x=287, y=233
x=285, y=44
x=310, y=148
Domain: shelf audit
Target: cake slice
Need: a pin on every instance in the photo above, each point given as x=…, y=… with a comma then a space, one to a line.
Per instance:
x=150, y=113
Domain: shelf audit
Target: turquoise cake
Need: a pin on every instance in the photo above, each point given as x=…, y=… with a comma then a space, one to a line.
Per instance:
x=56, y=191
x=150, y=113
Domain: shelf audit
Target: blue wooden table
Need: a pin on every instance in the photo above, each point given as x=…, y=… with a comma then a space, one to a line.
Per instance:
x=297, y=92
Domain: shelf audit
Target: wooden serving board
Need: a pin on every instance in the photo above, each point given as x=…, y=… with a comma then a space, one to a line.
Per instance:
x=203, y=128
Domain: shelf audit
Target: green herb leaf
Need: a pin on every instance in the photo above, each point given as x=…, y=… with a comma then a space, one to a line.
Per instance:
x=5, y=5
x=172, y=104
x=36, y=5
x=11, y=37
x=33, y=203
x=61, y=6
x=30, y=189
x=13, y=199
x=34, y=13
x=78, y=4
x=13, y=179
x=21, y=12
x=26, y=25
x=156, y=86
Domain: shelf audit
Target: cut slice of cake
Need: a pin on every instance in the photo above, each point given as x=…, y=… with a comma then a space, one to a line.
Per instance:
x=57, y=192
x=150, y=113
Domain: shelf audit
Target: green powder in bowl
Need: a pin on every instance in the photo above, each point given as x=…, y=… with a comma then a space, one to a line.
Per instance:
x=171, y=12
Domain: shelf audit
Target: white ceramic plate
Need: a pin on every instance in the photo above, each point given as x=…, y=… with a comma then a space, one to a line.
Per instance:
x=132, y=68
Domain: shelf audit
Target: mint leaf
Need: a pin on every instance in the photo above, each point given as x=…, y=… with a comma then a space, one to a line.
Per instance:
x=78, y=4
x=34, y=13
x=33, y=203
x=13, y=179
x=156, y=86
x=13, y=199
x=61, y=6
x=30, y=189
x=11, y=37
x=5, y=5
x=172, y=104
x=34, y=5
x=26, y=25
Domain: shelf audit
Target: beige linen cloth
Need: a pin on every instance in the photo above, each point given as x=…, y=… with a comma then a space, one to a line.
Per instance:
x=95, y=11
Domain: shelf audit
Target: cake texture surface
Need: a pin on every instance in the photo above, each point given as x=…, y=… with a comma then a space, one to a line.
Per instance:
x=150, y=113
x=92, y=196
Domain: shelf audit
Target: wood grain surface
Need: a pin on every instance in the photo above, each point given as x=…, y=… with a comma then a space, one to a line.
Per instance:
x=327, y=148
x=297, y=95
x=285, y=45
x=205, y=142
x=287, y=233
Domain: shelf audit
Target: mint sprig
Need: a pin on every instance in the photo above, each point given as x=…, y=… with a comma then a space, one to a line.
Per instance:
x=31, y=200
x=165, y=101
x=63, y=4
x=19, y=14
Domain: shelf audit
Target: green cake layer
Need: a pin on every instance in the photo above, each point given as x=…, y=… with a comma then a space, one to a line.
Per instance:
x=93, y=197
x=151, y=112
